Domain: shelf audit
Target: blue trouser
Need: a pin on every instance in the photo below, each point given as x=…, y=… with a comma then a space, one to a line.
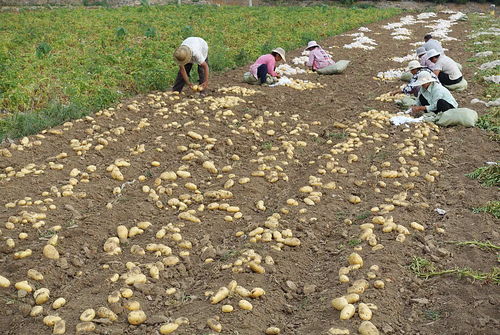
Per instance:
x=262, y=73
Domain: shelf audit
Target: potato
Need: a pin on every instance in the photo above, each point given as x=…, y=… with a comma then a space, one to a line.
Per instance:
x=339, y=303
x=257, y=292
x=243, y=292
x=257, y=268
x=85, y=327
x=272, y=331
x=364, y=312
x=182, y=321
x=132, y=305
x=136, y=317
x=214, y=325
x=59, y=327
x=50, y=252
x=87, y=315
x=35, y=275
x=168, y=328
x=291, y=242
x=23, y=285
x=222, y=294
x=227, y=308
x=417, y=226
x=4, y=282
x=50, y=320
x=354, y=259
x=104, y=312
x=58, y=303
x=379, y=284
x=245, y=305
x=338, y=331
x=368, y=328
x=36, y=311
x=347, y=312
x=352, y=298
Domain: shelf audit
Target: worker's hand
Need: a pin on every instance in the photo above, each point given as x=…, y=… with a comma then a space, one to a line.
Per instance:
x=204, y=85
x=416, y=111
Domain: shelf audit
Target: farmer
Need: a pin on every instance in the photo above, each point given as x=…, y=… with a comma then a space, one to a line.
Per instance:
x=432, y=96
x=445, y=68
x=266, y=64
x=318, y=58
x=193, y=50
x=422, y=58
x=415, y=69
x=431, y=43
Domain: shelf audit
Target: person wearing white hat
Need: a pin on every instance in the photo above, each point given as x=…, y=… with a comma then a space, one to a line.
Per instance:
x=432, y=96
x=445, y=68
x=415, y=68
x=193, y=50
x=266, y=64
x=422, y=58
x=318, y=58
x=431, y=43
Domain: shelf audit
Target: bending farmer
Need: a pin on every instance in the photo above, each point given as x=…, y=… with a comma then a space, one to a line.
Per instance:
x=432, y=97
x=193, y=50
x=266, y=64
x=415, y=68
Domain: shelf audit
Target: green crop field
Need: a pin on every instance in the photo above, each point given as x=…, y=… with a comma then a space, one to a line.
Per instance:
x=66, y=63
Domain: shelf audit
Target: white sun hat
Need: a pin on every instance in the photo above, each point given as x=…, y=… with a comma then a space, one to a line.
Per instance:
x=183, y=55
x=421, y=51
x=432, y=53
x=424, y=77
x=414, y=64
x=281, y=52
x=312, y=44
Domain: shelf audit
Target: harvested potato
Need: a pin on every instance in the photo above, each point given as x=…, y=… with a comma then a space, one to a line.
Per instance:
x=41, y=296
x=355, y=259
x=50, y=252
x=136, y=317
x=365, y=313
x=50, y=320
x=59, y=327
x=214, y=325
x=227, y=308
x=85, y=327
x=347, y=312
x=339, y=303
x=338, y=331
x=58, y=303
x=87, y=315
x=272, y=331
x=245, y=305
x=257, y=292
x=222, y=294
x=104, y=312
x=368, y=328
x=168, y=328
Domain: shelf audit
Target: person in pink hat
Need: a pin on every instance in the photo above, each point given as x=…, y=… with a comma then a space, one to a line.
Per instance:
x=318, y=58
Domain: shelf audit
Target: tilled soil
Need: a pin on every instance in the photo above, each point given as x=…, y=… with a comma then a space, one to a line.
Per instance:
x=281, y=139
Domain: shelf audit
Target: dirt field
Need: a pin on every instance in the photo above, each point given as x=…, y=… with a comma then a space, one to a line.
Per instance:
x=265, y=146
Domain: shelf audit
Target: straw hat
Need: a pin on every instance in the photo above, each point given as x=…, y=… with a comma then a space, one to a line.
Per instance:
x=414, y=64
x=182, y=55
x=424, y=77
x=281, y=52
x=432, y=53
x=421, y=51
x=312, y=44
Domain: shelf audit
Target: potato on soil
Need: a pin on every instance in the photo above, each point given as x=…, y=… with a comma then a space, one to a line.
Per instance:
x=222, y=294
x=136, y=317
x=272, y=331
x=87, y=315
x=168, y=328
x=339, y=303
x=368, y=328
x=214, y=325
x=347, y=312
x=364, y=312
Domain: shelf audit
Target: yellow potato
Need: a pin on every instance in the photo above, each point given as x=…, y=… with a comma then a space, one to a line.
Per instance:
x=168, y=328
x=347, y=312
x=245, y=305
x=36, y=311
x=23, y=285
x=272, y=331
x=4, y=282
x=257, y=268
x=50, y=320
x=85, y=327
x=243, y=292
x=227, y=308
x=364, y=312
x=104, y=312
x=34, y=274
x=222, y=294
x=339, y=303
x=41, y=296
x=338, y=331
x=352, y=298
x=257, y=292
x=136, y=317
x=379, y=284
x=368, y=328
x=87, y=315
x=58, y=303
x=354, y=259
x=50, y=252
x=59, y=327
x=214, y=325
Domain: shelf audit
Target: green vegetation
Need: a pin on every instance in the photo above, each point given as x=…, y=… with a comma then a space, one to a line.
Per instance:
x=426, y=269
x=487, y=175
x=76, y=61
x=492, y=207
x=483, y=245
x=481, y=43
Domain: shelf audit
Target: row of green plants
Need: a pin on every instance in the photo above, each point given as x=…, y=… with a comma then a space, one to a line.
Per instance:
x=61, y=64
x=488, y=176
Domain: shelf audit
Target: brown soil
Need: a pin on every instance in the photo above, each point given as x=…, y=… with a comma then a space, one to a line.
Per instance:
x=407, y=305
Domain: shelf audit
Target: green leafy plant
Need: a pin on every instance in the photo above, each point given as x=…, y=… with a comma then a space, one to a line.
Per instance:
x=492, y=207
x=487, y=175
x=42, y=49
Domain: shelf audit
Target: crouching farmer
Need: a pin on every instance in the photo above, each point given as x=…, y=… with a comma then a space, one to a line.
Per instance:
x=193, y=50
x=432, y=96
x=266, y=64
x=318, y=58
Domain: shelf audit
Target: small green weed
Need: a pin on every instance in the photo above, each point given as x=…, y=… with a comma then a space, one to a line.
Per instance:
x=363, y=216
x=492, y=207
x=483, y=245
x=487, y=175
x=432, y=315
x=267, y=145
x=354, y=242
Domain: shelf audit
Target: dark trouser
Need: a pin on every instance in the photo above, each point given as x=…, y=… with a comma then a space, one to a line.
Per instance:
x=262, y=73
x=442, y=105
x=179, y=81
x=445, y=79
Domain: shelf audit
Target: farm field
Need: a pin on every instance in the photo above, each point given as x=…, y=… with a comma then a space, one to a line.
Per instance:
x=67, y=63
x=273, y=200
